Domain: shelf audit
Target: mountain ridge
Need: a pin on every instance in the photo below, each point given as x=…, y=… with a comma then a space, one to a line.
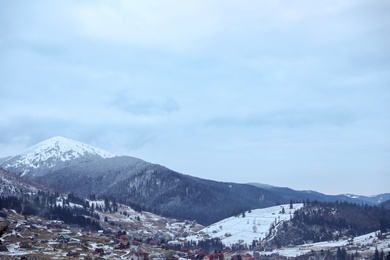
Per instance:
x=133, y=181
x=302, y=195
x=73, y=167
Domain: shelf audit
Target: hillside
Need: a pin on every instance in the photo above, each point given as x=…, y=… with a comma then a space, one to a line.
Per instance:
x=87, y=225
x=69, y=166
x=386, y=204
x=327, y=221
x=302, y=195
x=14, y=185
x=254, y=234
x=158, y=189
x=249, y=226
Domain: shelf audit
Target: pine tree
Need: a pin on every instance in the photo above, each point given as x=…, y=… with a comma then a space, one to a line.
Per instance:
x=382, y=255
x=376, y=254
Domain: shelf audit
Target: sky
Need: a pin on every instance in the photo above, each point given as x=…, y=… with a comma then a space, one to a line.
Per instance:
x=287, y=93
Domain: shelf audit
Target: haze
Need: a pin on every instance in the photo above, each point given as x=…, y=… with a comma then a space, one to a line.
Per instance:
x=288, y=93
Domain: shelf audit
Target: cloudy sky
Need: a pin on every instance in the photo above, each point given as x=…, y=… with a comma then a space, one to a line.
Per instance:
x=288, y=93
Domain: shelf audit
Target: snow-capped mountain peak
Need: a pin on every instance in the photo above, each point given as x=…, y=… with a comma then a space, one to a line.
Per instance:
x=54, y=151
x=64, y=149
x=353, y=196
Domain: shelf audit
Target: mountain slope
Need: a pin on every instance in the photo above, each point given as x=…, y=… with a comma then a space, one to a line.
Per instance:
x=325, y=221
x=386, y=204
x=375, y=199
x=159, y=189
x=12, y=185
x=70, y=166
x=253, y=225
x=296, y=195
x=52, y=154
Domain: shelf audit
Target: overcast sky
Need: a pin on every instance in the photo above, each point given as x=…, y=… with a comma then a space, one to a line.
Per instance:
x=287, y=93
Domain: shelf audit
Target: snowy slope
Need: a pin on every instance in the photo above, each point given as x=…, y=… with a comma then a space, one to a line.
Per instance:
x=255, y=225
x=11, y=184
x=52, y=152
x=367, y=243
x=374, y=199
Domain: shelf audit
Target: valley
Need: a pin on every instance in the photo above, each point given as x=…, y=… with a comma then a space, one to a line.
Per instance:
x=62, y=198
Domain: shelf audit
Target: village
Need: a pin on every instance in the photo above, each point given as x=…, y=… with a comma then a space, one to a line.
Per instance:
x=143, y=235
x=48, y=239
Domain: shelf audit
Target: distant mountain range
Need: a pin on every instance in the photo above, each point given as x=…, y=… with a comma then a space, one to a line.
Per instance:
x=70, y=166
x=289, y=193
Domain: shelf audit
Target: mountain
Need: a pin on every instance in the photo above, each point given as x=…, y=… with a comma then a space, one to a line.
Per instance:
x=70, y=166
x=303, y=195
x=73, y=167
x=52, y=154
x=158, y=189
x=13, y=185
x=375, y=199
x=386, y=204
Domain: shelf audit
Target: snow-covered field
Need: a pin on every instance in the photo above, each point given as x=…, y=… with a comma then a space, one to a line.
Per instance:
x=245, y=228
x=255, y=225
x=368, y=242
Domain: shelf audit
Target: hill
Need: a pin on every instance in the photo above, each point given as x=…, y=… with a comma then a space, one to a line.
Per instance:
x=327, y=221
x=249, y=226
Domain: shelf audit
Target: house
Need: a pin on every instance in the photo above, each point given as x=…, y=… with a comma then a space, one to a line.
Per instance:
x=26, y=243
x=215, y=256
x=156, y=256
x=98, y=251
x=4, y=226
x=153, y=242
x=74, y=228
x=73, y=253
x=123, y=241
x=139, y=256
x=64, y=238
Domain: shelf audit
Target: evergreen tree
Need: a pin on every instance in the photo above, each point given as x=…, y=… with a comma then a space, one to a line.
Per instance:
x=382, y=255
x=376, y=254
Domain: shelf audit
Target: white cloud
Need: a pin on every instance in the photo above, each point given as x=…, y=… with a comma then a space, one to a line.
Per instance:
x=147, y=23
x=289, y=87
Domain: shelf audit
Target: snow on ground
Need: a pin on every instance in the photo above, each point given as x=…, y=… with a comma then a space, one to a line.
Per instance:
x=56, y=149
x=367, y=242
x=254, y=225
x=96, y=203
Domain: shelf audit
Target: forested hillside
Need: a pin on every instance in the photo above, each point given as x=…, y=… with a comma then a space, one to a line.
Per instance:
x=386, y=204
x=325, y=221
x=47, y=205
